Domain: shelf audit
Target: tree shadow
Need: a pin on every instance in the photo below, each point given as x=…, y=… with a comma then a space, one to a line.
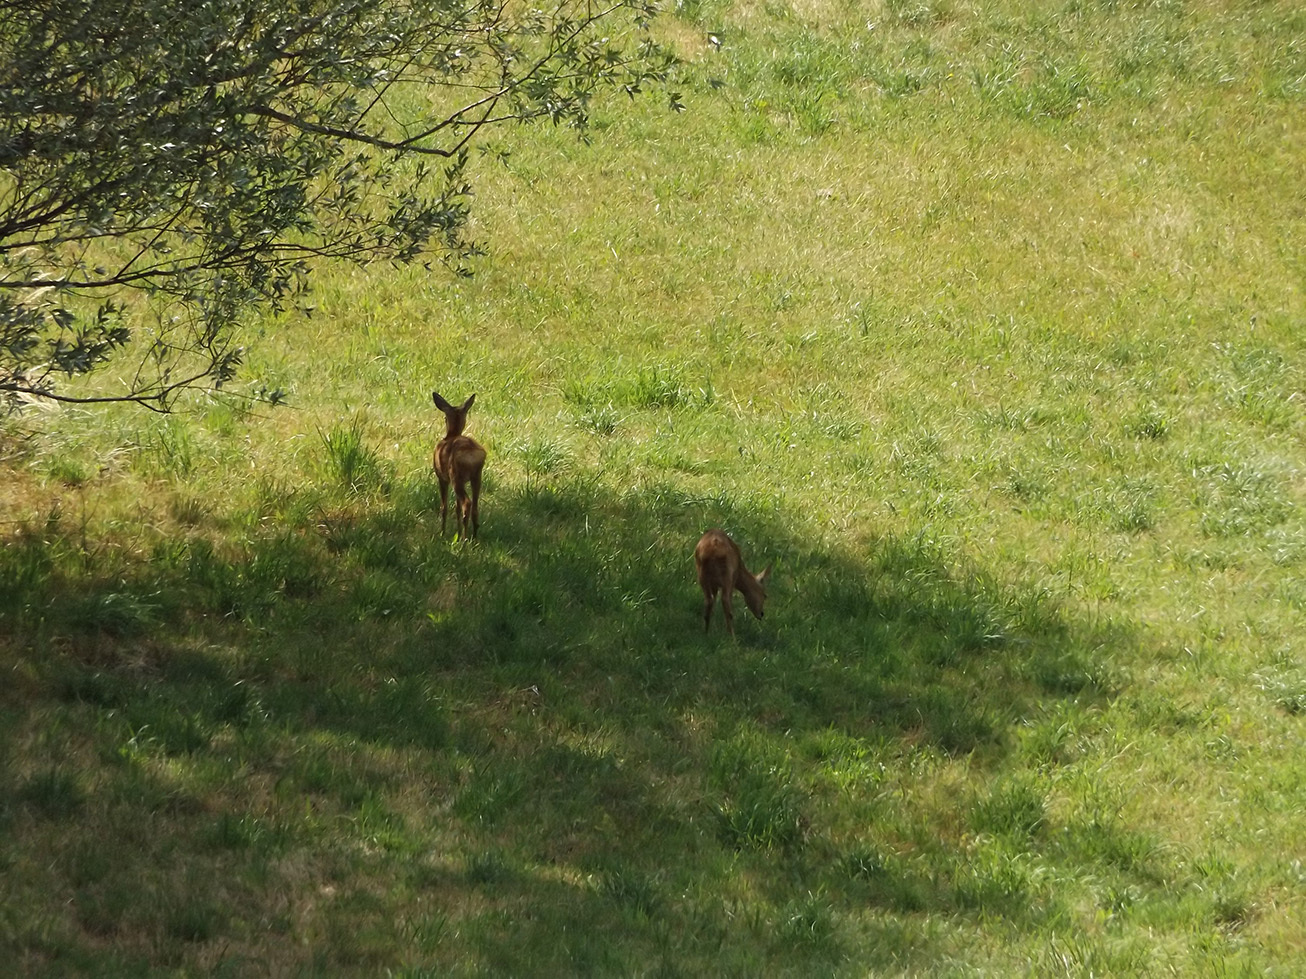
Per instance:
x=551, y=689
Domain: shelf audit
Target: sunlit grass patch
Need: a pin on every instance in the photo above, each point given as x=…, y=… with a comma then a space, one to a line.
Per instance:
x=640, y=388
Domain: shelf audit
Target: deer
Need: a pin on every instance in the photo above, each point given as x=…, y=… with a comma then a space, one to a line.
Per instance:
x=721, y=569
x=459, y=460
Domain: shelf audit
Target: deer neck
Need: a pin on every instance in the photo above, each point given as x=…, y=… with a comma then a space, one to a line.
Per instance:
x=746, y=583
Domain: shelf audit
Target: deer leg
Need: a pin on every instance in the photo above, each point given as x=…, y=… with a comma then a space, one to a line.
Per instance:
x=730, y=612
x=708, y=601
x=444, y=503
x=476, y=503
x=464, y=508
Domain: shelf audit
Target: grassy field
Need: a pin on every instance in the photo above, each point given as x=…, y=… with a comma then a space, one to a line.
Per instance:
x=986, y=322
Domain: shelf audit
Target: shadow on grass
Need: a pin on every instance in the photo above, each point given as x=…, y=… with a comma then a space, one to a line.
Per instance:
x=343, y=696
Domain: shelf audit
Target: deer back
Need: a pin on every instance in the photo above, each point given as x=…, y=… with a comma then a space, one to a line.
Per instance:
x=721, y=567
x=718, y=561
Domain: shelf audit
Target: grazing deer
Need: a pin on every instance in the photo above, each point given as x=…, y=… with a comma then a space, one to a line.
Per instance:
x=459, y=459
x=721, y=569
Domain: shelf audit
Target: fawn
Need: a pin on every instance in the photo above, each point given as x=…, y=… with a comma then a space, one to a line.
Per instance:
x=459, y=459
x=721, y=569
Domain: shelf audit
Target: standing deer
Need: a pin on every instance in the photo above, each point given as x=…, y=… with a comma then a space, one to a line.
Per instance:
x=459, y=459
x=721, y=569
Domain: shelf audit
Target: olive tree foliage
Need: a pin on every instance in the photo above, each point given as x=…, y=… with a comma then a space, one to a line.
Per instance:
x=167, y=169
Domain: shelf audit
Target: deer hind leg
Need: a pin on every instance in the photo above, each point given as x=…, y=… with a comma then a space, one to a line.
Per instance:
x=728, y=610
x=444, y=503
x=476, y=503
x=464, y=508
x=708, y=601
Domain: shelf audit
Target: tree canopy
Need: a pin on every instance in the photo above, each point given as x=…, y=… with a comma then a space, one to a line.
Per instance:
x=168, y=168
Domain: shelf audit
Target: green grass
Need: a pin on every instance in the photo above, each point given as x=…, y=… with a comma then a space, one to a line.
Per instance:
x=983, y=321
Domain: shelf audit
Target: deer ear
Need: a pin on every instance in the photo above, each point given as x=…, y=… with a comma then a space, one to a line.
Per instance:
x=762, y=575
x=439, y=401
x=468, y=403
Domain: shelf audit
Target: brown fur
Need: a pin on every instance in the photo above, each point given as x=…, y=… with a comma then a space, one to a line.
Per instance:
x=721, y=570
x=459, y=460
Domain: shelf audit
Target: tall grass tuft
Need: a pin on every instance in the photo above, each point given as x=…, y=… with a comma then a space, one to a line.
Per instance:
x=349, y=460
